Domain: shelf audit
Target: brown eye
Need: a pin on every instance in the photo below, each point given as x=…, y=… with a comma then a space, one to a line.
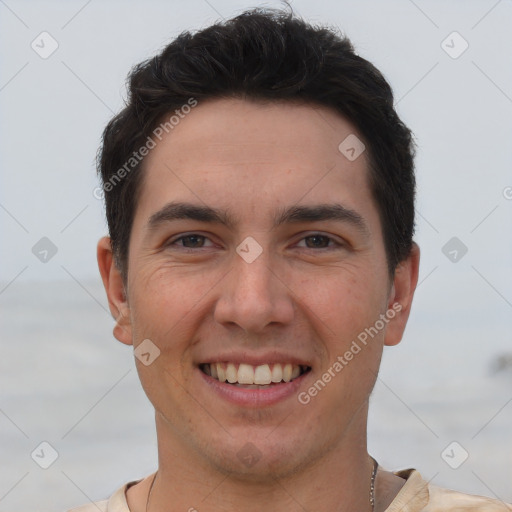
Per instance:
x=318, y=241
x=195, y=241
x=192, y=241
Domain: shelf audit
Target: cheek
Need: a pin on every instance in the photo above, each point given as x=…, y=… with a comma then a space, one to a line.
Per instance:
x=168, y=305
x=345, y=310
x=168, y=292
x=162, y=303
x=345, y=302
x=155, y=306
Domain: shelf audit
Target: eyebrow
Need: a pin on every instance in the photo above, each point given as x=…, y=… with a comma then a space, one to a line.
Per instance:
x=291, y=215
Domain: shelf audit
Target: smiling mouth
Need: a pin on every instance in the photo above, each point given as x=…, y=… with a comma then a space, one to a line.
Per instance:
x=249, y=376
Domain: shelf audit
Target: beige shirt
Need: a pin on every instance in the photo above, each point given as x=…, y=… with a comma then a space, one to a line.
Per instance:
x=417, y=495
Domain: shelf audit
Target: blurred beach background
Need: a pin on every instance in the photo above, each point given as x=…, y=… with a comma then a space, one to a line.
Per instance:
x=444, y=395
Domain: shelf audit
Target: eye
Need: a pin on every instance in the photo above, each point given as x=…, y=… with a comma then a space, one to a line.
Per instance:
x=319, y=241
x=192, y=241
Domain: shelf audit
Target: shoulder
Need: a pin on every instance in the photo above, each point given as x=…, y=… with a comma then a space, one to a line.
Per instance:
x=418, y=495
x=441, y=499
x=116, y=503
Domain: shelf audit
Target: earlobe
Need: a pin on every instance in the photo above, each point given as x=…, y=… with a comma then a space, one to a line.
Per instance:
x=401, y=295
x=115, y=289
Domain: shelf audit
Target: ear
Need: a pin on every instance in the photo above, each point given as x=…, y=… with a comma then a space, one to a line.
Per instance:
x=401, y=295
x=116, y=293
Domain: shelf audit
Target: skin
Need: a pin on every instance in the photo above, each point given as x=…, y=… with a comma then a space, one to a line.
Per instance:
x=304, y=296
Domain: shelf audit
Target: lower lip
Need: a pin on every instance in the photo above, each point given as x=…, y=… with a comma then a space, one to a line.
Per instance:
x=251, y=397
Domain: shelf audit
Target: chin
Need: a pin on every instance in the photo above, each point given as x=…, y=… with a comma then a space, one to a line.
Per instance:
x=266, y=470
x=260, y=461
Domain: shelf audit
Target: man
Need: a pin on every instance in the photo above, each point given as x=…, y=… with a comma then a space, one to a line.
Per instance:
x=259, y=191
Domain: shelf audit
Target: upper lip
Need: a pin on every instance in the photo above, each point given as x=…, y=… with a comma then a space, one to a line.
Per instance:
x=254, y=359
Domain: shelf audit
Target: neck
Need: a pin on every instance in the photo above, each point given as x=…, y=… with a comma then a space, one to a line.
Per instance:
x=338, y=481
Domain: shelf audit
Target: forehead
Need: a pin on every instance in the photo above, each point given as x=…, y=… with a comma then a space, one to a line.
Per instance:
x=255, y=158
x=237, y=131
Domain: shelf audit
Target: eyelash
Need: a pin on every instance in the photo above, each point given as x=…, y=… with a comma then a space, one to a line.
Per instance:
x=188, y=249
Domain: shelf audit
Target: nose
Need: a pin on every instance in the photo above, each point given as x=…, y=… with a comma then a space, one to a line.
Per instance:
x=254, y=296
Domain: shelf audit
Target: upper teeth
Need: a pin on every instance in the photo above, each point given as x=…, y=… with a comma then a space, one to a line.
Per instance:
x=249, y=374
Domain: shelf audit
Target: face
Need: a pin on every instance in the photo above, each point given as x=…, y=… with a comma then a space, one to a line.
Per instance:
x=256, y=263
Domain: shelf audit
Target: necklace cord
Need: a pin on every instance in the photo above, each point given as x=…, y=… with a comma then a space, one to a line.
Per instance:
x=372, y=483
